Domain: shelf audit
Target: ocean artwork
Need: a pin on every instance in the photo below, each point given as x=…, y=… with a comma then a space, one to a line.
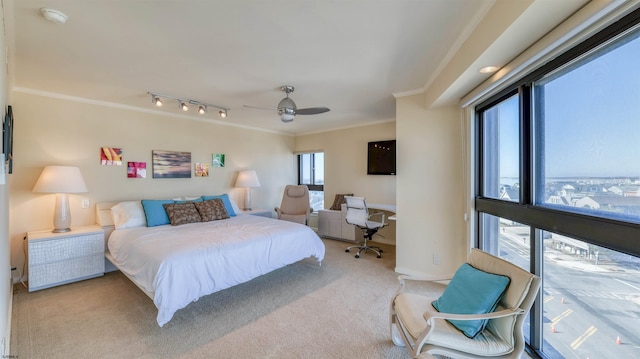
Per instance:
x=171, y=164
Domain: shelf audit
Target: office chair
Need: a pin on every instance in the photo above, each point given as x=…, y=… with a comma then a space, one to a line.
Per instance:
x=358, y=215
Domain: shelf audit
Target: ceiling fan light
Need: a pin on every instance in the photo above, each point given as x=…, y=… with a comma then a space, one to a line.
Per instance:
x=286, y=118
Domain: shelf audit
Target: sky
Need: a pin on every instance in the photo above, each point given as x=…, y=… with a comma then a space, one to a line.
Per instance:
x=592, y=119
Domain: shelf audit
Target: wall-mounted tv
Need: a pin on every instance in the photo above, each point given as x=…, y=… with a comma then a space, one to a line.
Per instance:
x=381, y=158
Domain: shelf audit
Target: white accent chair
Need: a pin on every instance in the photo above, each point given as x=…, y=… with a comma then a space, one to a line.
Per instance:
x=295, y=206
x=358, y=215
x=425, y=331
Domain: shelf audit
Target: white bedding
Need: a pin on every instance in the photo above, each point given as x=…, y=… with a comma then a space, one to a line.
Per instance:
x=176, y=265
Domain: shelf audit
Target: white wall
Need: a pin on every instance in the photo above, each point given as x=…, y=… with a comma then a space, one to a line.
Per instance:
x=345, y=170
x=5, y=267
x=345, y=158
x=51, y=131
x=430, y=196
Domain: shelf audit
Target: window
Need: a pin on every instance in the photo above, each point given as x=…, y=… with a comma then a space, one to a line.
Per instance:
x=501, y=170
x=558, y=193
x=311, y=173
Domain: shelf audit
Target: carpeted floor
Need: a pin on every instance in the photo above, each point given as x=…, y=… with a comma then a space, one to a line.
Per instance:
x=337, y=310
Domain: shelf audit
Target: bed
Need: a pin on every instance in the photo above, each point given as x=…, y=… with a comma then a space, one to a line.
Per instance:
x=177, y=264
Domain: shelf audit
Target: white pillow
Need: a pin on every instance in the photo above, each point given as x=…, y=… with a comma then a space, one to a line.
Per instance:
x=234, y=205
x=128, y=214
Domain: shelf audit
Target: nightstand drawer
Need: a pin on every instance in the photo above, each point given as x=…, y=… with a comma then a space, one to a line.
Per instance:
x=60, y=258
x=47, y=251
x=56, y=273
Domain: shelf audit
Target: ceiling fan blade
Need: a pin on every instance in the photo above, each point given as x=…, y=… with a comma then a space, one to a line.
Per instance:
x=312, y=110
x=259, y=108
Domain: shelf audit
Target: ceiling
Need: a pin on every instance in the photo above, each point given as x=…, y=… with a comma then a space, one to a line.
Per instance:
x=352, y=56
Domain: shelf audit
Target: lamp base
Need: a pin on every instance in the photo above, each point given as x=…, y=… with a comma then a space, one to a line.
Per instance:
x=61, y=230
x=62, y=214
x=247, y=199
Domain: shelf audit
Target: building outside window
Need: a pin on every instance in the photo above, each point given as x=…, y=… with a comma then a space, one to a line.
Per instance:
x=558, y=193
x=311, y=173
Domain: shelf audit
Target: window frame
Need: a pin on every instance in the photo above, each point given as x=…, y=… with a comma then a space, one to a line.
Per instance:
x=611, y=233
x=312, y=186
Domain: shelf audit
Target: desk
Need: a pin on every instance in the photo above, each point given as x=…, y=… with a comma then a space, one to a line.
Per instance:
x=385, y=207
x=333, y=224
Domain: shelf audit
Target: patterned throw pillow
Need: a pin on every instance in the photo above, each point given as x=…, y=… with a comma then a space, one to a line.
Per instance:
x=212, y=210
x=339, y=200
x=182, y=213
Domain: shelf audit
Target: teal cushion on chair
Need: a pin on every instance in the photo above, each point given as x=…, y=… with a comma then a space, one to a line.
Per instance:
x=471, y=291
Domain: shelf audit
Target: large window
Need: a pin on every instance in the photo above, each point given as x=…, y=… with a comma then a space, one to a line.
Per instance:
x=311, y=173
x=558, y=193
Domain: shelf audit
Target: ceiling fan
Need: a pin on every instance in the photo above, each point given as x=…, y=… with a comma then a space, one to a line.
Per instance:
x=287, y=109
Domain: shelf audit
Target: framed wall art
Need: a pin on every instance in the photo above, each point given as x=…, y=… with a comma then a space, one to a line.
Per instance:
x=171, y=164
x=218, y=160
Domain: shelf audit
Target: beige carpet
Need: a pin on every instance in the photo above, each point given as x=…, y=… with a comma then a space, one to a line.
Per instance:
x=337, y=310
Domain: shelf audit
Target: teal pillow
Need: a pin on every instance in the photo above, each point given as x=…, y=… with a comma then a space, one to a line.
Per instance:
x=199, y=199
x=471, y=291
x=225, y=200
x=155, y=212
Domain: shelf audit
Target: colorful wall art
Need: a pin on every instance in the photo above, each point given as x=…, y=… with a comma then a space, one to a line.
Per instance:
x=110, y=156
x=202, y=169
x=218, y=160
x=171, y=164
x=136, y=169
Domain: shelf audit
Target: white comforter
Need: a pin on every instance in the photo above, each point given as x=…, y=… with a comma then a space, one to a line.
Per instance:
x=179, y=264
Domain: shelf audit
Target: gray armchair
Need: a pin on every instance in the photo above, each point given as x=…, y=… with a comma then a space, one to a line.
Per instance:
x=295, y=206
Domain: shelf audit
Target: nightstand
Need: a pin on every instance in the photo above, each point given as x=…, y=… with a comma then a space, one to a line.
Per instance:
x=60, y=258
x=260, y=212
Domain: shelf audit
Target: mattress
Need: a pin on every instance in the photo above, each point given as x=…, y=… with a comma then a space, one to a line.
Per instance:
x=176, y=265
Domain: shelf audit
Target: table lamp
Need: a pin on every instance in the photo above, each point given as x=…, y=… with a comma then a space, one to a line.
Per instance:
x=247, y=179
x=61, y=180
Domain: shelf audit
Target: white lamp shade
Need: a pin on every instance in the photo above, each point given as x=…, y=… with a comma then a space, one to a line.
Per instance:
x=247, y=179
x=60, y=179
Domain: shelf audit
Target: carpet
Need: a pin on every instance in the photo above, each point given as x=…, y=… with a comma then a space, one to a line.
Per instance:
x=339, y=309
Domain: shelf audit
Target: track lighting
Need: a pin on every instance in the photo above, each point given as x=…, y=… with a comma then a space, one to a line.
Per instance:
x=156, y=100
x=184, y=104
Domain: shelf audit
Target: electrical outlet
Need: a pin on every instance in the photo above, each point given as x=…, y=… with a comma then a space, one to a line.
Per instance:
x=15, y=276
x=436, y=259
x=85, y=203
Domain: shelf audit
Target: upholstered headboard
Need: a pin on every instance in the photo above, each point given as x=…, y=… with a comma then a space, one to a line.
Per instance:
x=103, y=213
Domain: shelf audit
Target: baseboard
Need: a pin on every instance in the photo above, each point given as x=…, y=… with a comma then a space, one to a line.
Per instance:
x=7, y=340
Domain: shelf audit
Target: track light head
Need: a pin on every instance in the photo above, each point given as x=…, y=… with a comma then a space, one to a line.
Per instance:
x=222, y=113
x=156, y=100
x=202, y=109
x=184, y=106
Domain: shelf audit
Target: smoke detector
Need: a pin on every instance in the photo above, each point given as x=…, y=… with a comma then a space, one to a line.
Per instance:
x=54, y=15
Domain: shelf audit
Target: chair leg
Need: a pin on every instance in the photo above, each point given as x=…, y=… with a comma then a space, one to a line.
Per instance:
x=365, y=247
